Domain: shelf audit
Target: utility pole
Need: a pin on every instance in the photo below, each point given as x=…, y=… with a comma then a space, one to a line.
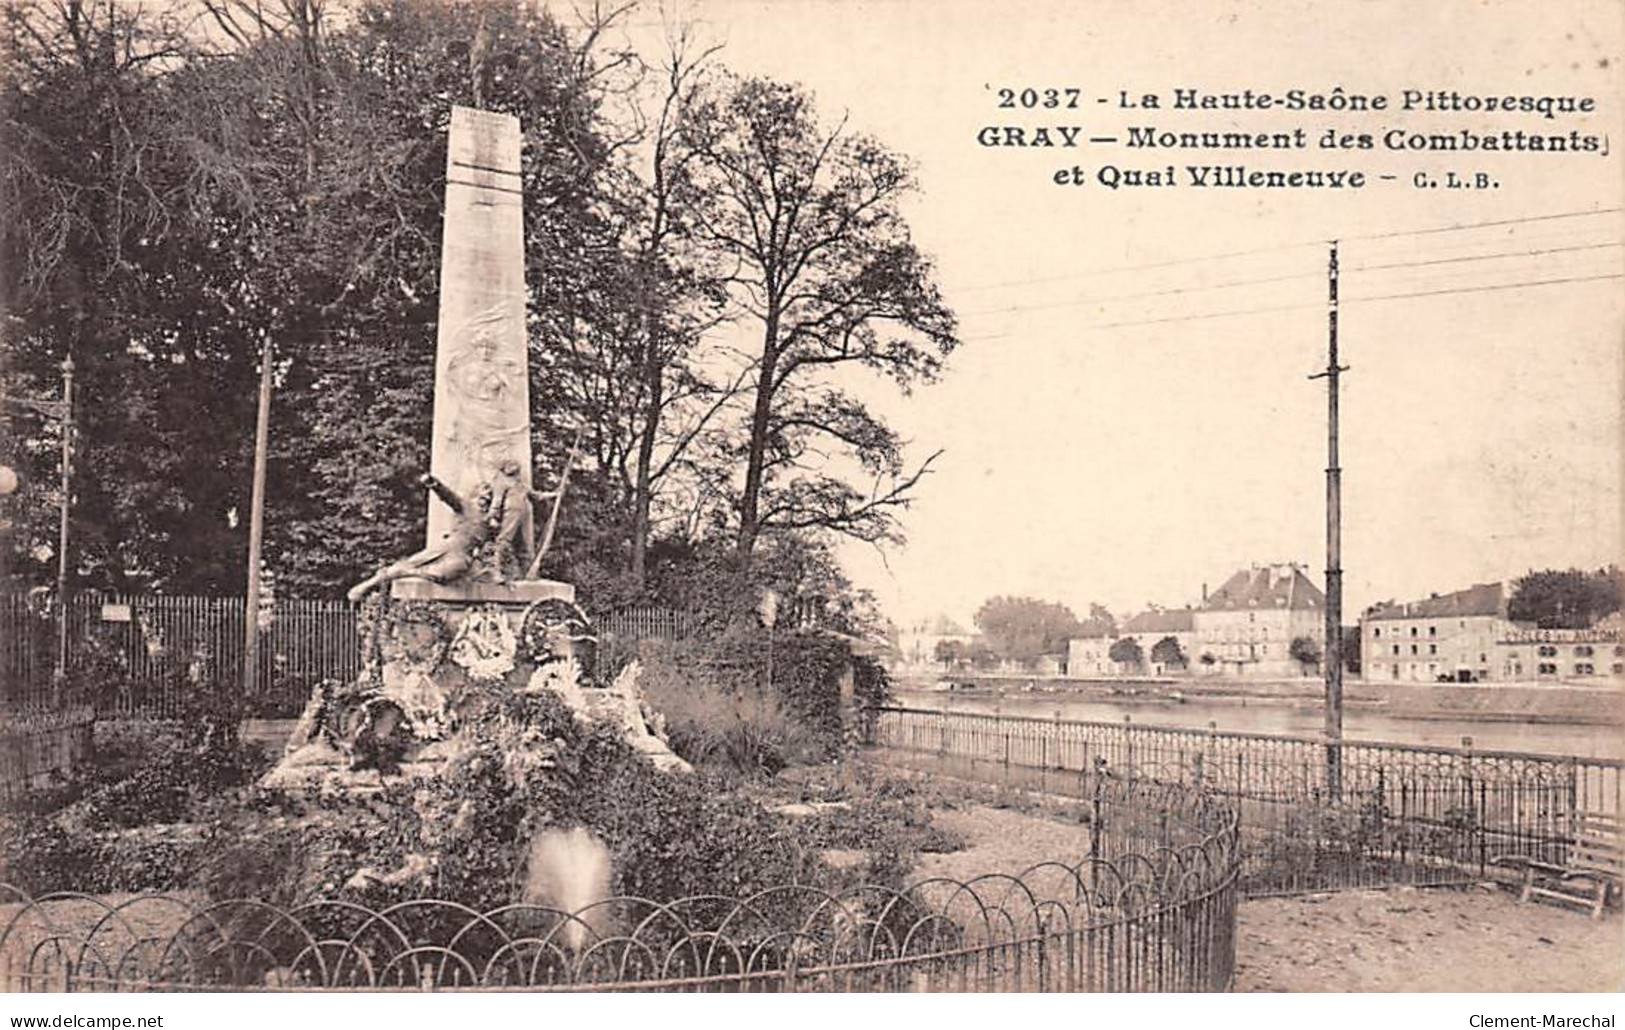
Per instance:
x=1334, y=545
x=256, y=529
x=62, y=530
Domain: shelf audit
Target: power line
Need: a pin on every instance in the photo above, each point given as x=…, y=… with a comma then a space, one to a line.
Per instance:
x=1211, y=314
x=1485, y=257
x=1172, y=291
x=1147, y=293
x=1483, y=225
x=1136, y=268
x=1486, y=289
x=1174, y=262
x=1353, y=300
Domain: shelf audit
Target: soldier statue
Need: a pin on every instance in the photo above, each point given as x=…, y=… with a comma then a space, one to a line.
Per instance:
x=450, y=559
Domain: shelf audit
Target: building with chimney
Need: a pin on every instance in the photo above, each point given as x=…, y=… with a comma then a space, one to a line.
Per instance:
x=1454, y=636
x=1246, y=626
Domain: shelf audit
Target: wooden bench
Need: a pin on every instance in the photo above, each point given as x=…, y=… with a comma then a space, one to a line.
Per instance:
x=1594, y=870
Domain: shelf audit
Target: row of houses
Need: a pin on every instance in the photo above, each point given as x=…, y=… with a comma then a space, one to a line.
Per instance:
x=1244, y=628
x=1466, y=636
x=1247, y=628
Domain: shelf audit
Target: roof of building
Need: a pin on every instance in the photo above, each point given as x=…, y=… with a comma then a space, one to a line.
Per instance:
x=1161, y=620
x=1266, y=586
x=1478, y=599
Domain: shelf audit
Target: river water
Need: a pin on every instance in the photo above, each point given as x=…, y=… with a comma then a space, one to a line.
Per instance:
x=1253, y=716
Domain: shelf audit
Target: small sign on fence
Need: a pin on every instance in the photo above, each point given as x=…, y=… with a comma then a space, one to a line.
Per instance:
x=116, y=613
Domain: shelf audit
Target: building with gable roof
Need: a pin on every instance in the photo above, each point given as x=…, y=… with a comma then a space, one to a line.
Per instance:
x=1088, y=654
x=1153, y=625
x=1246, y=626
x=1443, y=636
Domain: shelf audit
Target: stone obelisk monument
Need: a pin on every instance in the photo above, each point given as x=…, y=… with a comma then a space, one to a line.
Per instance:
x=461, y=625
x=482, y=380
x=482, y=388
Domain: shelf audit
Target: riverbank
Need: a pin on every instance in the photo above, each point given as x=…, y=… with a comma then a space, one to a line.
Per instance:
x=1552, y=704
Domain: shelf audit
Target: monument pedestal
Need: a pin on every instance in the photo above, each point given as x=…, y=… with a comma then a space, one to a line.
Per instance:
x=515, y=592
x=430, y=647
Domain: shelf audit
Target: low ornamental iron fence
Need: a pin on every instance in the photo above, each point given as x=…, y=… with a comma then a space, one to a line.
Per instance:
x=1402, y=814
x=1151, y=908
x=131, y=655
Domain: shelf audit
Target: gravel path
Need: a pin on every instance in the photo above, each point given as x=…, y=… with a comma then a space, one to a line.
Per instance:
x=1399, y=939
x=1405, y=939
x=1003, y=841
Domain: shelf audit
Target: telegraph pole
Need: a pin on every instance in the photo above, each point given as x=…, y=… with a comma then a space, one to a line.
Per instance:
x=1334, y=544
x=256, y=529
x=62, y=528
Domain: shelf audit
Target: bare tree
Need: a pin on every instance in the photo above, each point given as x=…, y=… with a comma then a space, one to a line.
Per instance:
x=824, y=264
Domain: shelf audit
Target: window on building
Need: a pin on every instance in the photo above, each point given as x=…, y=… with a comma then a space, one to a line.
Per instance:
x=1619, y=667
x=1413, y=631
x=1433, y=649
x=1583, y=650
x=1377, y=632
x=1433, y=631
x=1396, y=649
x=1583, y=669
x=1619, y=650
x=1546, y=669
x=1413, y=649
x=1547, y=651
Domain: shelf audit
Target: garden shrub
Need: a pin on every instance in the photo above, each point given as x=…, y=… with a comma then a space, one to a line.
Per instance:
x=38, y=856
x=168, y=788
x=722, y=705
x=521, y=764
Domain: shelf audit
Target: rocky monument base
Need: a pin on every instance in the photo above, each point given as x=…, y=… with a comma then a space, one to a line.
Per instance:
x=426, y=649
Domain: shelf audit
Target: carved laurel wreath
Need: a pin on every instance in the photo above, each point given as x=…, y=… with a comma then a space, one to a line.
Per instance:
x=485, y=647
x=412, y=649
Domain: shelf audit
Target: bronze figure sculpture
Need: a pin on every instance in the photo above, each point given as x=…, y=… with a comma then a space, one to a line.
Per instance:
x=453, y=557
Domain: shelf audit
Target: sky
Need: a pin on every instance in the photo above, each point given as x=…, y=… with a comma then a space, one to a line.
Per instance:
x=1089, y=460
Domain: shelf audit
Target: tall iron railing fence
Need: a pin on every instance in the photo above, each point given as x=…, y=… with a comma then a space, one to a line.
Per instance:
x=1152, y=907
x=130, y=654
x=1403, y=814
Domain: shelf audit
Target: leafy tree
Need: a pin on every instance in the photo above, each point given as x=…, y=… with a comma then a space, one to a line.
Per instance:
x=84, y=184
x=828, y=274
x=1024, y=628
x=1351, y=649
x=1168, y=653
x=179, y=209
x=1567, y=599
x=948, y=653
x=1101, y=622
x=1306, y=652
x=1126, y=651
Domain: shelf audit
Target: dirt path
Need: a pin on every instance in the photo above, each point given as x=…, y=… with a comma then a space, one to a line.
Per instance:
x=1400, y=939
x=1002, y=841
x=1405, y=939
